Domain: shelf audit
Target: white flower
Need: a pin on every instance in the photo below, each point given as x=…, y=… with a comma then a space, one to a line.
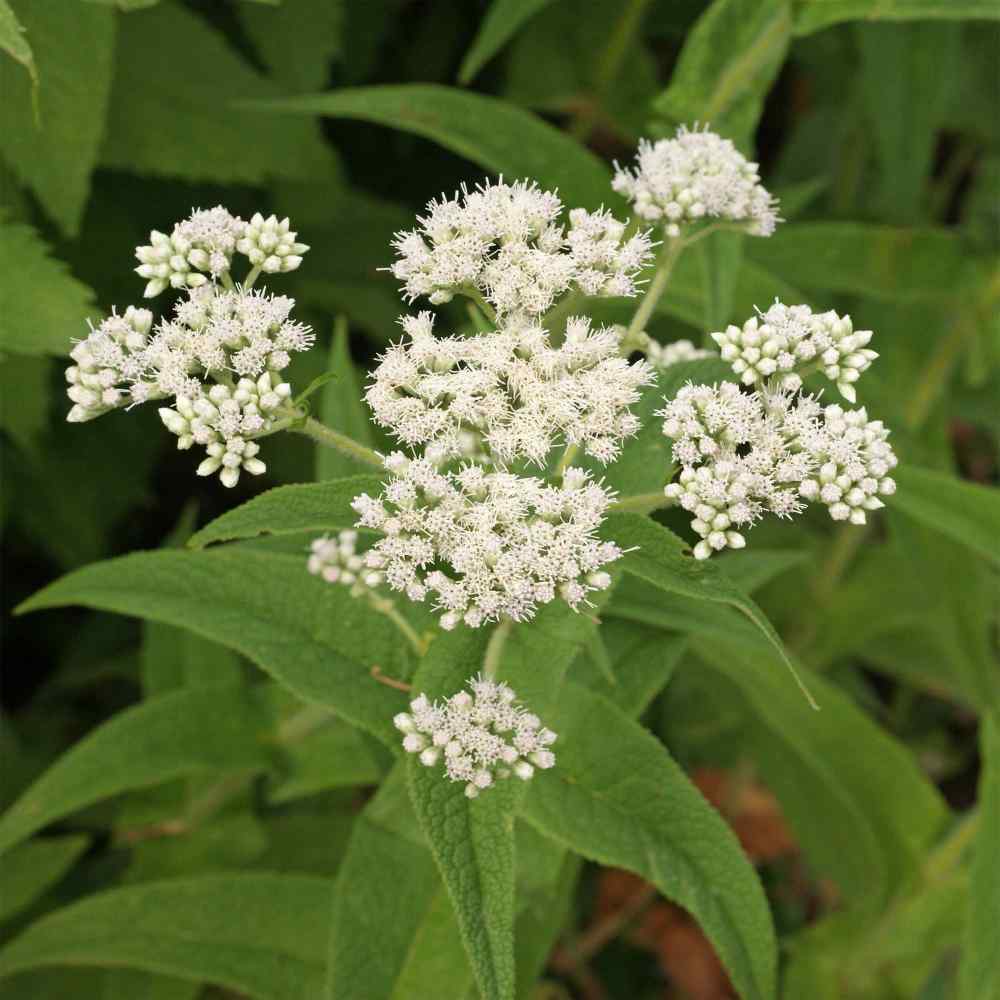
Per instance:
x=479, y=738
x=504, y=242
x=337, y=560
x=270, y=244
x=664, y=355
x=788, y=342
x=201, y=244
x=107, y=362
x=696, y=175
x=743, y=455
x=484, y=545
x=519, y=395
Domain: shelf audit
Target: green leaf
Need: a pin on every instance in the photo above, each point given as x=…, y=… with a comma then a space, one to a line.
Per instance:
x=261, y=934
x=882, y=262
x=721, y=258
x=43, y=308
x=54, y=150
x=966, y=512
x=660, y=560
x=25, y=398
x=315, y=639
x=727, y=65
x=979, y=973
x=503, y=20
x=617, y=797
x=169, y=737
x=496, y=135
x=32, y=867
x=342, y=409
x=811, y=15
x=136, y=983
x=288, y=510
x=856, y=798
x=13, y=42
x=472, y=842
x=173, y=110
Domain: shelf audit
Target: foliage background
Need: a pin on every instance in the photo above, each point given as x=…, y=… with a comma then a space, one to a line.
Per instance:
x=874, y=824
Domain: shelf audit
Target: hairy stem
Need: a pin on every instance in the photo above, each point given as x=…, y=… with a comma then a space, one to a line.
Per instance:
x=330, y=438
x=664, y=265
x=494, y=649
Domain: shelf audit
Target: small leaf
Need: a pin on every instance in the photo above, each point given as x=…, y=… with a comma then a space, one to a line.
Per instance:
x=503, y=20
x=51, y=137
x=811, y=15
x=169, y=737
x=660, y=559
x=727, y=65
x=616, y=797
x=979, y=973
x=966, y=512
x=263, y=935
x=288, y=510
x=32, y=867
x=43, y=308
x=500, y=137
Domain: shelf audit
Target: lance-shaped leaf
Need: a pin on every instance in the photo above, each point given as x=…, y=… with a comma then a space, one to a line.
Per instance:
x=33, y=867
x=260, y=934
x=811, y=15
x=616, y=796
x=503, y=20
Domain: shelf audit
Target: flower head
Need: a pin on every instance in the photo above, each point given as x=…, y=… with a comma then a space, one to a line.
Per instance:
x=483, y=545
x=504, y=243
x=337, y=560
x=479, y=737
x=696, y=175
x=664, y=355
x=511, y=389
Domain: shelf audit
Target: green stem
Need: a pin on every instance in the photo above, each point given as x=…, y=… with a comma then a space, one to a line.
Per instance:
x=494, y=649
x=484, y=307
x=227, y=282
x=665, y=264
x=251, y=277
x=334, y=439
x=642, y=503
x=567, y=457
x=388, y=608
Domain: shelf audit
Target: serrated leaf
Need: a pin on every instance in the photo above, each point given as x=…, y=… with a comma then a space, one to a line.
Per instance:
x=31, y=867
x=883, y=262
x=43, y=308
x=979, y=973
x=288, y=510
x=54, y=150
x=727, y=65
x=966, y=512
x=315, y=639
x=503, y=20
x=498, y=136
x=261, y=934
x=342, y=409
x=660, y=560
x=617, y=797
x=13, y=41
x=169, y=737
x=173, y=110
x=812, y=15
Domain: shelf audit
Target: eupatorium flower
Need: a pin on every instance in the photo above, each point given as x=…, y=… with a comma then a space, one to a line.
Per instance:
x=504, y=243
x=520, y=395
x=483, y=545
x=337, y=560
x=204, y=244
x=694, y=176
x=479, y=737
x=743, y=455
x=664, y=355
x=787, y=342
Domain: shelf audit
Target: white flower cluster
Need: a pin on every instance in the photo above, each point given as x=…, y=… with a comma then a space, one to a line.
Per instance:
x=788, y=342
x=204, y=244
x=487, y=544
x=220, y=355
x=504, y=243
x=337, y=560
x=482, y=736
x=517, y=392
x=696, y=175
x=664, y=355
x=746, y=454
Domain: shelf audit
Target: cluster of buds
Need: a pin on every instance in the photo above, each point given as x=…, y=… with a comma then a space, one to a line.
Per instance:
x=787, y=343
x=220, y=355
x=201, y=248
x=481, y=737
x=664, y=355
x=337, y=560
